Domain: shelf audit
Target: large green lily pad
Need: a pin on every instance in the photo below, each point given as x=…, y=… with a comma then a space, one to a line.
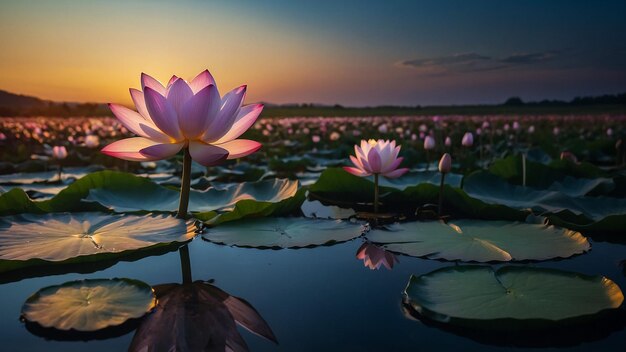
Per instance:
x=63, y=237
x=480, y=241
x=89, y=305
x=478, y=294
x=283, y=232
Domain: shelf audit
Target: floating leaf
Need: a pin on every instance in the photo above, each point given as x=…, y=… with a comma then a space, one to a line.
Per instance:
x=158, y=198
x=283, y=232
x=123, y=192
x=478, y=294
x=89, y=305
x=24, y=178
x=494, y=190
x=414, y=178
x=480, y=241
x=198, y=317
x=83, y=236
x=336, y=186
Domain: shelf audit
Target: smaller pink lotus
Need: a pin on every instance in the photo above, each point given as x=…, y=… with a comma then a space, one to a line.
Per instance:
x=374, y=256
x=59, y=152
x=376, y=157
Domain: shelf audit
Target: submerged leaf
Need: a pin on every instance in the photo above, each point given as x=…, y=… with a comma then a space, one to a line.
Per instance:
x=89, y=305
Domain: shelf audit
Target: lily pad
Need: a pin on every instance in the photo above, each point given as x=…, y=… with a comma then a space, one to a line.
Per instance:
x=84, y=236
x=89, y=305
x=154, y=197
x=198, y=317
x=492, y=189
x=283, y=232
x=46, y=176
x=480, y=241
x=414, y=178
x=338, y=187
x=478, y=294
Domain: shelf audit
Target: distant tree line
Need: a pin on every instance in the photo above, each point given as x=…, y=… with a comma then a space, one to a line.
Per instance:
x=607, y=99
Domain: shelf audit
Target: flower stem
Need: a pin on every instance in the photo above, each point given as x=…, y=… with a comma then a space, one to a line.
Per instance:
x=443, y=176
x=375, y=193
x=524, y=169
x=185, y=184
x=185, y=264
x=60, y=170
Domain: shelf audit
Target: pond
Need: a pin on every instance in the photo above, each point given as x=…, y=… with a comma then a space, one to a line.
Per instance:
x=313, y=299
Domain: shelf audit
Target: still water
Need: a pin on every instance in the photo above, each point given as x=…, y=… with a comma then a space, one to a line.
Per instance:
x=315, y=299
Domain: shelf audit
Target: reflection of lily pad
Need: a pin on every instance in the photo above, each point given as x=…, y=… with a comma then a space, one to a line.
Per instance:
x=89, y=305
x=283, y=232
x=198, y=317
x=477, y=294
x=61, y=237
x=480, y=241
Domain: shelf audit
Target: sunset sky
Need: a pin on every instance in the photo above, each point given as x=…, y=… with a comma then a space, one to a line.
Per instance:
x=348, y=52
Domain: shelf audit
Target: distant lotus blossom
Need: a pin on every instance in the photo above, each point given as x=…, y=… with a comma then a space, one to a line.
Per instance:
x=374, y=256
x=383, y=128
x=445, y=163
x=609, y=132
x=334, y=136
x=516, y=125
x=556, y=131
x=448, y=142
x=479, y=131
x=376, y=158
x=316, y=139
x=185, y=115
x=413, y=137
x=429, y=143
x=3, y=136
x=531, y=129
x=468, y=139
x=485, y=125
x=59, y=152
x=506, y=127
x=569, y=156
x=92, y=141
x=423, y=128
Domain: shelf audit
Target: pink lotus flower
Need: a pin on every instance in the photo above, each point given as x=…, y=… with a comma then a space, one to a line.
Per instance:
x=185, y=115
x=373, y=256
x=59, y=152
x=376, y=157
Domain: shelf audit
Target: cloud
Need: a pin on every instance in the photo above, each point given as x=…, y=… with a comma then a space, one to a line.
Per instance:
x=524, y=59
x=474, y=62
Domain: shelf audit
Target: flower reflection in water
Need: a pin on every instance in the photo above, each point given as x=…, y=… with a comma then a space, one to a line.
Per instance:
x=374, y=256
x=197, y=316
